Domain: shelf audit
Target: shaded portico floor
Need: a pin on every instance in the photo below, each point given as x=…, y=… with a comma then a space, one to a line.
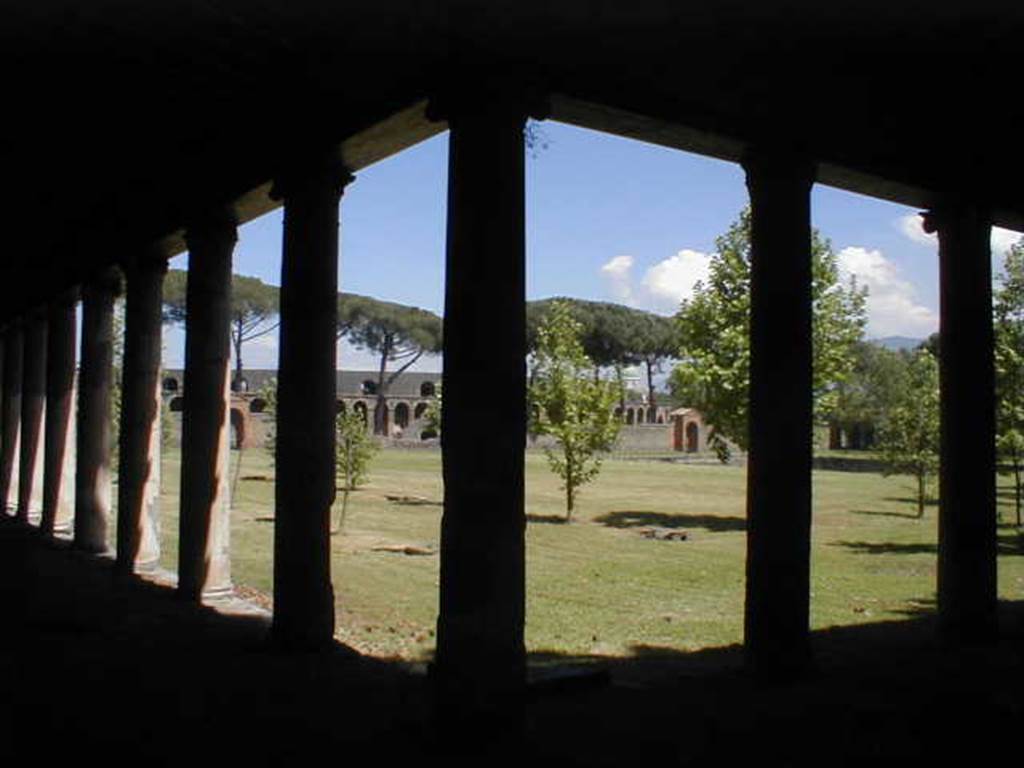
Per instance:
x=128, y=674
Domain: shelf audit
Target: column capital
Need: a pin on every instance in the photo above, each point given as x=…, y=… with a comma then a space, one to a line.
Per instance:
x=109, y=281
x=312, y=175
x=946, y=212
x=152, y=259
x=216, y=222
x=778, y=163
x=483, y=96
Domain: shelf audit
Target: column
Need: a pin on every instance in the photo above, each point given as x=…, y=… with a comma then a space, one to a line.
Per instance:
x=306, y=396
x=138, y=491
x=92, y=460
x=776, y=621
x=967, y=501
x=481, y=657
x=204, y=556
x=59, y=445
x=13, y=351
x=33, y=403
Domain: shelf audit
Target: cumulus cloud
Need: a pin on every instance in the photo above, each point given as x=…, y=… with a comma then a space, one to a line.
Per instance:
x=662, y=285
x=910, y=226
x=618, y=273
x=892, y=306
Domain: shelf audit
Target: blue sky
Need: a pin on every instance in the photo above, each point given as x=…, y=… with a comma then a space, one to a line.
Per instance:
x=607, y=219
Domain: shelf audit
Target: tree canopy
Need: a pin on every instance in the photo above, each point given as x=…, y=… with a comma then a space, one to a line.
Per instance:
x=1009, y=368
x=713, y=374
x=868, y=395
x=254, y=310
x=396, y=333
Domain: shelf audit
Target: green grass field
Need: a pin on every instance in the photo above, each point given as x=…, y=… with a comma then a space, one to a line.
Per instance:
x=597, y=586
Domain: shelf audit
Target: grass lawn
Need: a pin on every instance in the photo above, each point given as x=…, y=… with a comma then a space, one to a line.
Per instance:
x=598, y=586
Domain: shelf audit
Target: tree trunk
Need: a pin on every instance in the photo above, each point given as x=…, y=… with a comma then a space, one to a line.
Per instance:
x=236, y=340
x=379, y=413
x=568, y=489
x=920, y=495
x=1017, y=488
x=651, y=401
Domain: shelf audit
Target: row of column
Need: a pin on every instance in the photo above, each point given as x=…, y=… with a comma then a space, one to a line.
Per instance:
x=480, y=654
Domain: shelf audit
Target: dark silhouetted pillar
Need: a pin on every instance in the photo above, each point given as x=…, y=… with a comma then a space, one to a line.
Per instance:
x=967, y=500
x=481, y=658
x=13, y=351
x=306, y=396
x=138, y=492
x=59, y=445
x=33, y=404
x=204, y=556
x=92, y=465
x=776, y=622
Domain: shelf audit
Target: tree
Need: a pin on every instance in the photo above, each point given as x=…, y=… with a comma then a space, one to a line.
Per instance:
x=354, y=448
x=395, y=332
x=568, y=404
x=909, y=438
x=1009, y=368
x=254, y=310
x=432, y=415
x=713, y=375
x=867, y=397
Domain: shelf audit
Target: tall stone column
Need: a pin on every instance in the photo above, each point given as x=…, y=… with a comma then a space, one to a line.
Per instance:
x=776, y=625
x=33, y=405
x=204, y=554
x=92, y=460
x=138, y=490
x=967, y=502
x=13, y=358
x=481, y=657
x=59, y=444
x=306, y=404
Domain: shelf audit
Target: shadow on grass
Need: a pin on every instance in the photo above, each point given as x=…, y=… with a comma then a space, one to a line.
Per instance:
x=1011, y=543
x=887, y=548
x=640, y=518
x=918, y=607
x=912, y=501
x=880, y=513
x=549, y=519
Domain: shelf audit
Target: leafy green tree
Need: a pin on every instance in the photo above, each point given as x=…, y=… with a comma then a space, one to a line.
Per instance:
x=909, y=438
x=1009, y=365
x=568, y=404
x=865, y=399
x=432, y=415
x=254, y=310
x=269, y=396
x=713, y=374
x=395, y=332
x=354, y=448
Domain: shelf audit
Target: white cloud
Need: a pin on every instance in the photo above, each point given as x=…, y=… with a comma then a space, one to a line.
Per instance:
x=670, y=281
x=910, y=226
x=617, y=271
x=892, y=306
x=663, y=285
x=1002, y=240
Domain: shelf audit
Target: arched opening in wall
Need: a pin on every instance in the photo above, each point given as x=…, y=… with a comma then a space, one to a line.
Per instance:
x=661, y=418
x=360, y=408
x=421, y=409
x=369, y=387
x=618, y=413
x=428, y=389
x=339, y=407
x=652, y=415
x=170, y=384
x=639, y=415
x=382, y=416
x=692, y=437
x=176, y=404
x=630, y=415
x=257, y=405
x=402, y=415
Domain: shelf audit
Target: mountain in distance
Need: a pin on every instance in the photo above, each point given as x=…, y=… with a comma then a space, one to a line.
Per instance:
x=897, y=343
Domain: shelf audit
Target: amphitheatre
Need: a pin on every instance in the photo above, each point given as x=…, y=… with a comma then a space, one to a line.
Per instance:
x=174, y=605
